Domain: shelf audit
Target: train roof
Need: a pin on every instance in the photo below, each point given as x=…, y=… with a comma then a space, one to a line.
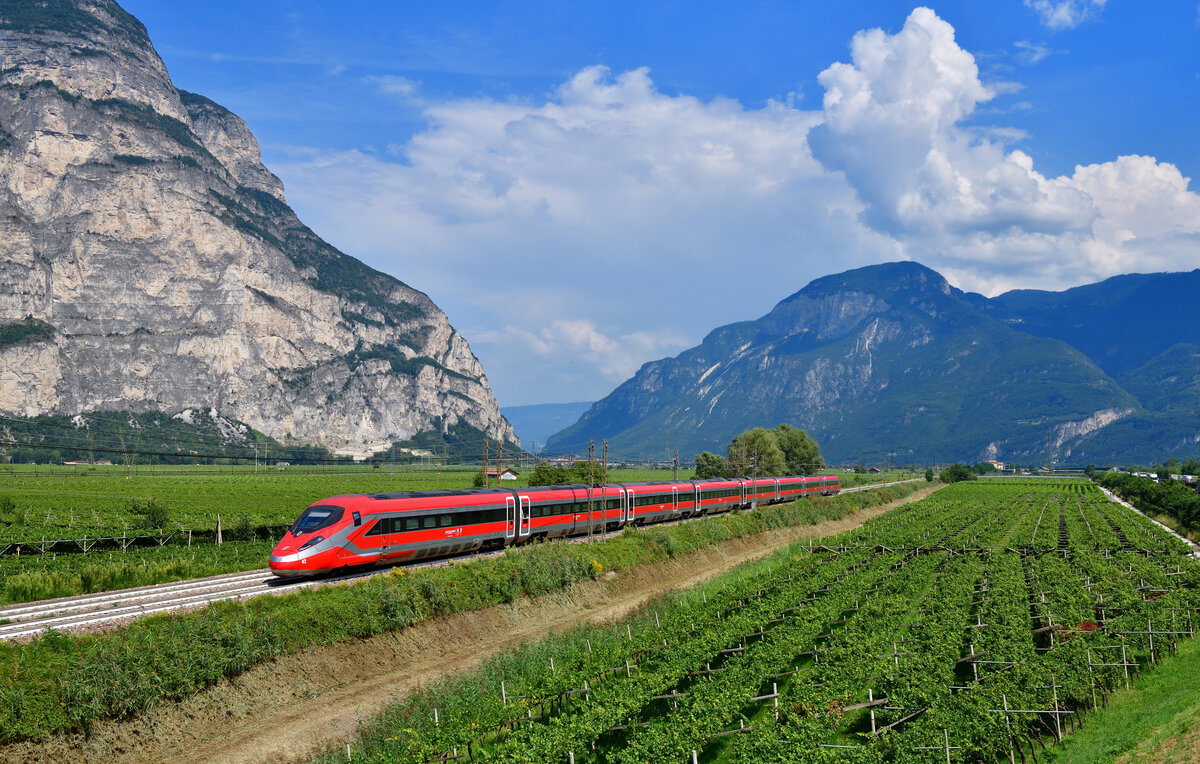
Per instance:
x=434, y=494
x=544, y=488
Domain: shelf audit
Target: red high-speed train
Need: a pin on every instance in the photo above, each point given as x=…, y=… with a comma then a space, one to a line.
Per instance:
x=386, y=528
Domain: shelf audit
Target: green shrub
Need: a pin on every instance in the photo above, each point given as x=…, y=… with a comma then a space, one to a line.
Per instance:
x=29, y=330
x=155, y=515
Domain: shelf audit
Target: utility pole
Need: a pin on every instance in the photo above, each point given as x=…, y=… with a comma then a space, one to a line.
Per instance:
x=591, y=480
x=499, y=460
x=128, y=466
x=677, y=465
x=486, y=454
x=256, y=458
x=604, y=482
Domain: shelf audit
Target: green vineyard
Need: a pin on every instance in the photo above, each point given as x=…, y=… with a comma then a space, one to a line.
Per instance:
x=982, y=623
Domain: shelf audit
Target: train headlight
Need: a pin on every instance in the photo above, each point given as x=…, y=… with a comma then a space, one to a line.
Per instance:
x=311, y=542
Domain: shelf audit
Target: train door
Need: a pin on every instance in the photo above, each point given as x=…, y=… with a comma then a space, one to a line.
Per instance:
x=674, y=500
x=370, y=538
x=624, y=506
x=510, y=507
x=385, y=537
x=525, y=518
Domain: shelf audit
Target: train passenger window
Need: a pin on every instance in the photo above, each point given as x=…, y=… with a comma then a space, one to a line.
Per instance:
x=428, y=521
x=445, y=520
x=410, y=523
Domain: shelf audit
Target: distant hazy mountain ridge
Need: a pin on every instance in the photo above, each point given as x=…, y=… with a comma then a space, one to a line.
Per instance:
x=535, y=423
x=150, y=262
x=891, y=359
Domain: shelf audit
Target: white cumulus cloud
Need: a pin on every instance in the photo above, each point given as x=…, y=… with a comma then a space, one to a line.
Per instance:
x=1066, y=14
x=960, y=199
x=573, y=237
x=609, y=202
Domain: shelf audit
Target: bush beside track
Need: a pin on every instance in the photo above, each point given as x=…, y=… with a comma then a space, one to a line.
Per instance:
x=1170, y=498
x=62, y=683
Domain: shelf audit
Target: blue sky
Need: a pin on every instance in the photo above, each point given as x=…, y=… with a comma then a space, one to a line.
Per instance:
x=584, y=188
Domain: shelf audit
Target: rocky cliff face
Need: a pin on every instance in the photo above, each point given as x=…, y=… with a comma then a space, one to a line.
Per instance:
x=881, y=360
x=139, y=223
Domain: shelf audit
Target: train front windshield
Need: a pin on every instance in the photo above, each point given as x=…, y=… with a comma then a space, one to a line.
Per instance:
x=317, y=517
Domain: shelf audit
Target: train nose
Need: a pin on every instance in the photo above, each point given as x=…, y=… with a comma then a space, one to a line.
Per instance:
x=286, y=560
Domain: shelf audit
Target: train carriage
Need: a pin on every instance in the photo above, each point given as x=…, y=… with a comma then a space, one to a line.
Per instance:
x=557, y=511
x=655, y=502
x=762, y=491
x=372, y=529
x=720, y=495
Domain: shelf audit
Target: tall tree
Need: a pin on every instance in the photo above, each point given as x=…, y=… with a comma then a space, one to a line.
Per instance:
x=755, y=452
x=710, y=465
x=801, y=454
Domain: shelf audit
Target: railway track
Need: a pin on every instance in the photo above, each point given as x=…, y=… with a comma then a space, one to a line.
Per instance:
x=105, y=610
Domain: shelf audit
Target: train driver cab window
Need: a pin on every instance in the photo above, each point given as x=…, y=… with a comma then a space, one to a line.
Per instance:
x=317, y=517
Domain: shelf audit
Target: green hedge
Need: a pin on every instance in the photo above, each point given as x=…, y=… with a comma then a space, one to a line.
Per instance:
x=61, y=683
x=1170, y=497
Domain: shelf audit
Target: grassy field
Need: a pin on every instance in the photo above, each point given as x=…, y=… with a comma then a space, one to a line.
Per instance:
x=1158, y=720
x=71, y=502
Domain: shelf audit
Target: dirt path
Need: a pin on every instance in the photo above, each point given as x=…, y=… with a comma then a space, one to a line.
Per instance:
x=292, y=707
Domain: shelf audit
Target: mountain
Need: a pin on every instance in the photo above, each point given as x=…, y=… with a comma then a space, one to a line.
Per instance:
x=149, y=262
x=534, y=424
x=1144, y=330
x=1120, y=323
x=880, y=360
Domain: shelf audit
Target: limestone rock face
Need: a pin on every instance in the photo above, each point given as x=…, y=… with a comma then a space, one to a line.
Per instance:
x=139, y=222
